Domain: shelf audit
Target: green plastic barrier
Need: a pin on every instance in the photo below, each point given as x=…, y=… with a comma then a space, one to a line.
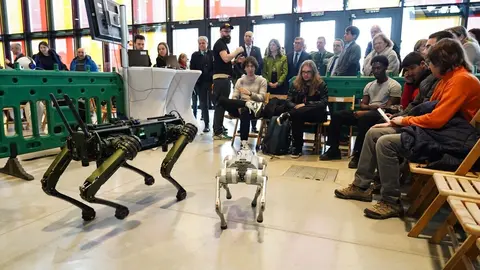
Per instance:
x=20, y=88
x=349, y=86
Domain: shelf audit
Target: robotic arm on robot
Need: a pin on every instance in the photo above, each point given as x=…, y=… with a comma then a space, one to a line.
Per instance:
x=110, y=146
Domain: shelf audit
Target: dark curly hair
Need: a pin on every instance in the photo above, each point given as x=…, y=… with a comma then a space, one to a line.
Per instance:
x=448, y=54
x=250, y=60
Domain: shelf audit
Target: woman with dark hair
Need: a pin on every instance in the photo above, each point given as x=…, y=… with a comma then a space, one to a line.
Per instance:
x=307, y=102
x=46, y=58
x=472, y=49
x=275, y=68
x=247, y=98
x=457, y=93
x=163, y=52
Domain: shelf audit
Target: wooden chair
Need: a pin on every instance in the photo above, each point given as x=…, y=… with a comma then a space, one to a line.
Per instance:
x=326, y=124
x=467, y=212
x=423, y=189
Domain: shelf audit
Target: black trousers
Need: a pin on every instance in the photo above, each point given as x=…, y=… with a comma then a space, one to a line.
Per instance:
x=236, y=108
x=363, y=123
x=202, y=90
x=298, y=117
x=221, y=88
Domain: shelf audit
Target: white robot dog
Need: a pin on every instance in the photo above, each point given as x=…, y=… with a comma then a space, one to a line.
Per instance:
x=246, y=168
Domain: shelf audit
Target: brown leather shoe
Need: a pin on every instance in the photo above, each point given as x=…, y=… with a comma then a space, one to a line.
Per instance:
x=383, y=210
x=354, y=193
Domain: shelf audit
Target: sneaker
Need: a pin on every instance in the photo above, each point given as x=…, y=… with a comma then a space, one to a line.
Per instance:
x=244, y=145
x=254, y=107
x=221, y=137
x=282, y=118
x=354, y=193
x=295, y=153
x=206, y=130
x=254, y=130
x=331, y=154
x=353, y=164
x=383, y=210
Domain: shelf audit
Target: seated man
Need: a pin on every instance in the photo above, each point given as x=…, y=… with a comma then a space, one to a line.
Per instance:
x=307, y=102
x=247, y=99
x=457, y=93
x=381, y=93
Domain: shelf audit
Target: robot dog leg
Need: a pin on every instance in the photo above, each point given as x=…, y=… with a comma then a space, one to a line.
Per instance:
x=244, y=168
x=126, y=149
x=187, y=135
x=51, y=177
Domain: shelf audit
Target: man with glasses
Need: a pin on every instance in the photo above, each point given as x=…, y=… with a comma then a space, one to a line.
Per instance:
x=297, y=57
x=222, y=73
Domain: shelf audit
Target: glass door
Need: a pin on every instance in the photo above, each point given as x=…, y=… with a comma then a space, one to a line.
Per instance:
x=235, y=34
x=265, y=32
x=324, y=29
x=185, y=41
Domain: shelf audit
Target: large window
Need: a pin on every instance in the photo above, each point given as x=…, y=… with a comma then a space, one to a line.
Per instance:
x=366, y=24
x=262, y=7
x=66, y=49
x=14, y=16
x=265, y=32
x=186, y=10
x=93, y=48
x=115, y=57
x=312, y=5
x=185, y=41
x=362, y=4
x=432, y=2
x=153, y=36
x=227, y=8
x=324, y=29
x=149, y=11
x=423, y=26
x=62, y=14
x=37, y=15
x=234, y=42
x=2, y=55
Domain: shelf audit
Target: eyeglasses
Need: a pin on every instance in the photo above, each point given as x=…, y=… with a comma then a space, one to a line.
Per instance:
x=307, y=72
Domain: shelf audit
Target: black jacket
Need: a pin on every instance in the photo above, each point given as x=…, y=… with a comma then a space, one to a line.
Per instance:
x=20, y=55
x=320, y=98
x=293, y=69
x=425, y=91
x=442, y=149
x=204, y=63
x=257, y=54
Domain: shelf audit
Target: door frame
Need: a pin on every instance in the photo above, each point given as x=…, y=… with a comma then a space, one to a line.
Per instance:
x=282, y=18
x=199, y=24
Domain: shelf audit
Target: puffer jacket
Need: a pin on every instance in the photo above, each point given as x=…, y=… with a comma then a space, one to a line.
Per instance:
x=441, y=149
x=393, y=62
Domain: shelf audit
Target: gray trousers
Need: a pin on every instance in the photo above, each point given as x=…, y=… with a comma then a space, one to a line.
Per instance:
x=381, y=149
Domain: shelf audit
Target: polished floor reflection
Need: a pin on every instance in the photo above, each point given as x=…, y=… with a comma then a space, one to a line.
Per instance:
x=304, y=227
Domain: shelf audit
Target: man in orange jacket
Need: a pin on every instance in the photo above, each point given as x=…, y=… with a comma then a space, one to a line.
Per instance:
x=458, y=91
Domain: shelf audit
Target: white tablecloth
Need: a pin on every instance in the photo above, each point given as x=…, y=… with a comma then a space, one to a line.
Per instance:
x=179, y=95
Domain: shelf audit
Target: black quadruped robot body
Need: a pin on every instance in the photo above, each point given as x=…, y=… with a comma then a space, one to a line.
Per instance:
x=110, y=146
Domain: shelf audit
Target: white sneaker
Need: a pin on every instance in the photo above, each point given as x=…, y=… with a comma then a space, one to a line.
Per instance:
x=244, y=145
x=254, y=107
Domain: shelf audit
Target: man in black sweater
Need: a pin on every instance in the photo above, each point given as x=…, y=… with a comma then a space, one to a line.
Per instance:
x=203, y=60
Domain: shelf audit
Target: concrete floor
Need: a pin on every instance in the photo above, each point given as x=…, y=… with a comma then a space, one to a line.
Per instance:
x=304, y=227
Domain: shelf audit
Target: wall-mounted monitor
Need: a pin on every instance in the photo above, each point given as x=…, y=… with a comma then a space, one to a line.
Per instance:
x=104, y=20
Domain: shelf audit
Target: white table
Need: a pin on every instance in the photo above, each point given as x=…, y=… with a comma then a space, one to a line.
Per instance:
x=148, y=88
x=179, y=96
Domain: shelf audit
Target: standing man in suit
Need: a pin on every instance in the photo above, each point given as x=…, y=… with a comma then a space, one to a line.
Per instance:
x=296, y=58
x=321, y=56
x=203, y=60
x=349, y=60
x=250, y=50
x=337, y=51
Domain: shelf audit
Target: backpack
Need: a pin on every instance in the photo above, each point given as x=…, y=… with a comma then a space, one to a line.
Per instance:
x=277, y=140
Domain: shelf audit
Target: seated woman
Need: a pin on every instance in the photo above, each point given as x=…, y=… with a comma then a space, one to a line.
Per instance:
x=307, y=102
x=247, y=98
x=46, y=58
x=382, y=46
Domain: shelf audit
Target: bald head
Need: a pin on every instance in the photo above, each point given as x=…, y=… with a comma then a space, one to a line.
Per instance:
x=81, y=53
x=16, y=48
x=248, y=38
x=375, y=30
